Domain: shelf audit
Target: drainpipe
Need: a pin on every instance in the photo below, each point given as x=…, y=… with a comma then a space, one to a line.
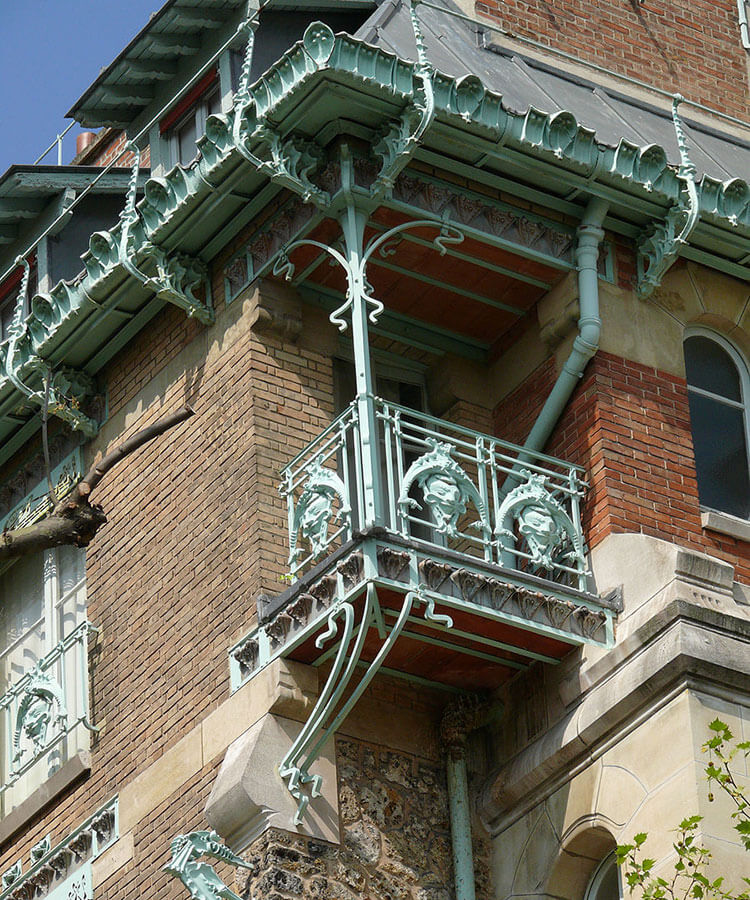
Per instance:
x=460, y=718
x=586, y=344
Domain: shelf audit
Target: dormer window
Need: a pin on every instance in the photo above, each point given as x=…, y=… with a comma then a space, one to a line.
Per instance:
x=186, y=122
x=10, y=290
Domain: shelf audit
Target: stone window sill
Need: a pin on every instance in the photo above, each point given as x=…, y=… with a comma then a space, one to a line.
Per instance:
x=712, y=520
x=75, y=768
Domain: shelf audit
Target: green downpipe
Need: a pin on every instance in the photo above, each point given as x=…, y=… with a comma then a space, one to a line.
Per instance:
x=460, y=815
x=590, y=235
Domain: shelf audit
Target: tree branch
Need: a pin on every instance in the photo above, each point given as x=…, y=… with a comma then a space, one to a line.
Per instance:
x=74, y=520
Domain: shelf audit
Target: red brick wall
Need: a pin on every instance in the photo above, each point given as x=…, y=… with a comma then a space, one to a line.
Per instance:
x=108, y=152
x=629, y=426
x=693, y=48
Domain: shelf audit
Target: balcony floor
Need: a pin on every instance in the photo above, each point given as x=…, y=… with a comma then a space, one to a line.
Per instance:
x=471, y=625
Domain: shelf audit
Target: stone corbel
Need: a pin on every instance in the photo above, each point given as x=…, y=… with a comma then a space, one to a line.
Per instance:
x=277, y=311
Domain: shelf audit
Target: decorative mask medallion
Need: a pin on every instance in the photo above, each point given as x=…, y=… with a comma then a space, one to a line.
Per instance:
x=542, y=523
x=314, y=511
x=35, y=712
x=446, y=488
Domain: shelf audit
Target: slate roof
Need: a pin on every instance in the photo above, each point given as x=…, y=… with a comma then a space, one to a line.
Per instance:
x=459, y=48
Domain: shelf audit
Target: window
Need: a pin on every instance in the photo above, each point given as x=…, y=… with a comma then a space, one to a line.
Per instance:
x=44, y=719
x=186, y=122
x=718, y=391
x=605, y=882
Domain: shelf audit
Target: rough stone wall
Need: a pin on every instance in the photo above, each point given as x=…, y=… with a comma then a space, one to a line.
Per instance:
x=694, y=49
x=395, y=840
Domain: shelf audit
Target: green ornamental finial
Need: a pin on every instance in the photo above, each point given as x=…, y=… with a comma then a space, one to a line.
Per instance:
x=687, y=169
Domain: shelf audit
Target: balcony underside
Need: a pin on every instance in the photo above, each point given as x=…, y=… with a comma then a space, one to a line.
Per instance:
x=469, y=626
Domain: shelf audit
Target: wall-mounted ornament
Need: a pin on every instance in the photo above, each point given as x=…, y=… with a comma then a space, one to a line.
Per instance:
x=314, y=510
x=41, y=696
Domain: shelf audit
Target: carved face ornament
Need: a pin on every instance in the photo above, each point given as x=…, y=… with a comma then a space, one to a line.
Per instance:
x=445, y=499
x=446, y=488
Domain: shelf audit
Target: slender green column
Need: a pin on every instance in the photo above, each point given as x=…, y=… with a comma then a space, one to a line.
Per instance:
x=353, y=221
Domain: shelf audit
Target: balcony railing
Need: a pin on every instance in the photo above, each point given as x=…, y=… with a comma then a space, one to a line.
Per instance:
x=43, y=707
x=441, y=484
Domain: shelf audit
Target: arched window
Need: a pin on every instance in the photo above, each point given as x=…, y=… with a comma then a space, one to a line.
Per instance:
x=605, y=883
x=718, y=392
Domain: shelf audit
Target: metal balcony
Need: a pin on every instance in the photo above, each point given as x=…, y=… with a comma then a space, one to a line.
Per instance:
x=40, y=710
x=441, y=485
x=475, y=549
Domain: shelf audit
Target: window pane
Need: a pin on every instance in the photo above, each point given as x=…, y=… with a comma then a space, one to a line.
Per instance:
x=709, y=366
x=186, y=136
x=720, y=455
x=213, y=104
x=605, y=885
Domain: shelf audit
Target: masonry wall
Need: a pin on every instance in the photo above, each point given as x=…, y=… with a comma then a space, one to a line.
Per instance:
x=692, y=49
x=196, y=530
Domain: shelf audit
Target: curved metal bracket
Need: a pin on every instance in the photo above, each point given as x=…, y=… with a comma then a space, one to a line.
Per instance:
x=294, y=768
x=358, y=287
x=661, y=245
x=199, y=877
x=402, y=137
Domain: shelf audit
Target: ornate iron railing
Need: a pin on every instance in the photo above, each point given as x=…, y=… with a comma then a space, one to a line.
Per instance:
x=441, y=484
x=43, y=707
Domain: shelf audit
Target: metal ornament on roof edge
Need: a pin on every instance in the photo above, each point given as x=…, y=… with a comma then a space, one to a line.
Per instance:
x=446, y=488
x=176, y=274
x=199, y=877
x=313, y=511
x=661, y=245
x=542, y=522
x=400, y=138
x=66, y=388
x=35, y=713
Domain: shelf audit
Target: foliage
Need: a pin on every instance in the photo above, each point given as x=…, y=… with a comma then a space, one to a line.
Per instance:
x=721, y=753
x=688, y=878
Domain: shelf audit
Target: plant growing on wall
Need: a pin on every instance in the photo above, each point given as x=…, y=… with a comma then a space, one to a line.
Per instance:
x=689, y=877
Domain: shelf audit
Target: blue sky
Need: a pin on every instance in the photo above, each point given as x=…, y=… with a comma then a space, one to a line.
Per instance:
x=51, y=51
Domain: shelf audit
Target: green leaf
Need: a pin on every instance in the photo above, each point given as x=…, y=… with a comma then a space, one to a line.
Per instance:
x=640, y=838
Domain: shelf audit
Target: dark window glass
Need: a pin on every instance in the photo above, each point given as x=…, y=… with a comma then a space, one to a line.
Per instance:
x=186, y=135
x=709, y=367
x=720, y=455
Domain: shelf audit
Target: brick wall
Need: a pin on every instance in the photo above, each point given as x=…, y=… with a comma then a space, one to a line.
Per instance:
x=112, y=144
x=692, y=48
x=629, y=426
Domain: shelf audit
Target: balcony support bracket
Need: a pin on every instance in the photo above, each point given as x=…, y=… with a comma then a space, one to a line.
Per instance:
x=322, y=724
